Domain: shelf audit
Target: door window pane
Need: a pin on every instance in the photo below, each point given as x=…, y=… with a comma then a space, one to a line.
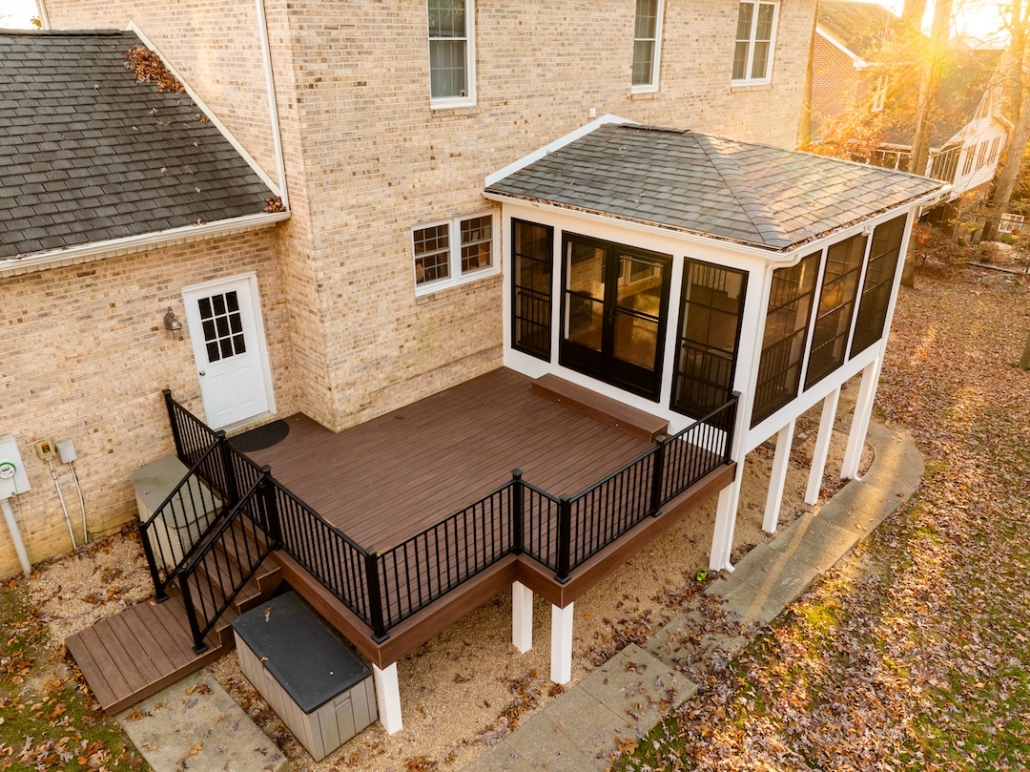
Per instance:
x=222, y=326
x=532, y=259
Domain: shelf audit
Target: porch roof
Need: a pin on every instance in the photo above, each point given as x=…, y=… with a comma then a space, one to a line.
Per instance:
x=694, y=183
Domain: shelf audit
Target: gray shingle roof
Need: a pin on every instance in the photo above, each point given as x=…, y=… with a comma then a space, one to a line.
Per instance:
x=685, y=181
x=87, y=153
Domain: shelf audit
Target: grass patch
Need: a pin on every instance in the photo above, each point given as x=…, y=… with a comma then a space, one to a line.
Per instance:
x=48, y=721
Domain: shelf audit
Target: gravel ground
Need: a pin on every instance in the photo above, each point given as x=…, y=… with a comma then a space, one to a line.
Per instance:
x=465, y=688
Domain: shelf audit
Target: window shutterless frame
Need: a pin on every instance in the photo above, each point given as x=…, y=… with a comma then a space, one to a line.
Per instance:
x=647, y=45
x=452, y=53
x=755, y=41
x=452, y=252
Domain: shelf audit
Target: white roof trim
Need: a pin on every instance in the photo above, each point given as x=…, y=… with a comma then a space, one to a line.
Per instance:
x=559, y=143
x=100, y=250
x=274, y=186
x=856, y=60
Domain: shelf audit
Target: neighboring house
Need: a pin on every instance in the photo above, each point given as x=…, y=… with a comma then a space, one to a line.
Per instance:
x=863, y=65
x=460, y=225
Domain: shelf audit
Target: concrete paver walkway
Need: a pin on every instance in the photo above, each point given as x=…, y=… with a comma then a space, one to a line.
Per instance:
x=628, y=695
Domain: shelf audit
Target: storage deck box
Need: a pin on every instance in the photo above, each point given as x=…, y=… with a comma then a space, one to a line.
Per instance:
x=306, y=673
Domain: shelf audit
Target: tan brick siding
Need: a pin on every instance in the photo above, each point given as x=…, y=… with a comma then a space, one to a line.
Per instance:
x=85, y=358
x=834, y=81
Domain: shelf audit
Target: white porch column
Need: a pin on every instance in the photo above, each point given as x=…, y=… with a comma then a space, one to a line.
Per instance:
x=860, y=421
x=388, y=698
x=521, y=617
x=725, y=521
x=822, y=446
x=561, y=644
x=778, y=478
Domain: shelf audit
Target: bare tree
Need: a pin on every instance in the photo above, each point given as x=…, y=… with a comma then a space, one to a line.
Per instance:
x=933, y=67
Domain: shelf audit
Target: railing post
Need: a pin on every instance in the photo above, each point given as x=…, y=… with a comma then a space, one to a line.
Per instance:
x=191, y=613
x=148, y=551
x=657, y=474
x=564, y=537
x=174, y=425
x=731, y=425
x=375, y=598
x=232, y=490
x=272, y=525
x=517, y=516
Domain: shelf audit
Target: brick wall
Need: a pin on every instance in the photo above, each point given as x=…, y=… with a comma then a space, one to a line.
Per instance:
x=834, y=81
x=85, y=358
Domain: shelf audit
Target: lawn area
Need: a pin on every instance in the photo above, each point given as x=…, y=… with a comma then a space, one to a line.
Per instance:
x=912, y=653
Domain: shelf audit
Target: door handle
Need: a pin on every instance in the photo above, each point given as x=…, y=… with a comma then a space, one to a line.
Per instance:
x=202, y=372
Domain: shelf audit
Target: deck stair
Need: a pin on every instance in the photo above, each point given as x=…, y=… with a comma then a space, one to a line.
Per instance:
x=634, y=422
x=147, y=647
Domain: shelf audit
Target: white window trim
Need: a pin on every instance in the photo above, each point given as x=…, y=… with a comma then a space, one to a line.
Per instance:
x=652, y=87
x=879, y=93
x=456, y=277
x=469, y=100
x=748, y=80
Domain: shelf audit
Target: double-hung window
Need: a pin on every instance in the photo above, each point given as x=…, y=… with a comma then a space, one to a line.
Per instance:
x=647, y=43
x=452, y=53
x=752, y=54
x=454, y=252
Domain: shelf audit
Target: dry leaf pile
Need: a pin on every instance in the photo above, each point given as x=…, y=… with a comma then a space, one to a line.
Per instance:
x=913, y=653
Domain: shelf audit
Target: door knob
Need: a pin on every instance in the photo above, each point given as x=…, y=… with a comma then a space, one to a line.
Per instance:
x=202, y=372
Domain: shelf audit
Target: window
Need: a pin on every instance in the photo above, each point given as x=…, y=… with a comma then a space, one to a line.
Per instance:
x=879, y=94
x=646, y=45
x=710, y=317
x=451, y=53
x=981, y=156
x=967, y=164
x=836, y=308
x=879, y=283
x=944, y=164
x=992, y=156
x=786, y=333
x=752, y=55
x=532, y=252
x=453, y=252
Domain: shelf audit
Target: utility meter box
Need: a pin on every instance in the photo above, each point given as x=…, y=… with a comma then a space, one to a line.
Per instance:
x=13, y=479
x=306, y=672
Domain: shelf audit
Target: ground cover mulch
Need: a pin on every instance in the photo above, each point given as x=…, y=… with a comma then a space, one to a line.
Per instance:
x=912, y=653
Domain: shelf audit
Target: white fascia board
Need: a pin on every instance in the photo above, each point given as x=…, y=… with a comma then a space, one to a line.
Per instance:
x=100, y=250
x=858, y=62
x=559, y=143
x=273, y=186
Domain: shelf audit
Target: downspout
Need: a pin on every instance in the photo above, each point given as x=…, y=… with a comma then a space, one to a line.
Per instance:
x=273, y=108
x=43, y=16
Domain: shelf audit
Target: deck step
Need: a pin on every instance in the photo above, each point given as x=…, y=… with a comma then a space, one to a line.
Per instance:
x=634, y=422
x=138, y=652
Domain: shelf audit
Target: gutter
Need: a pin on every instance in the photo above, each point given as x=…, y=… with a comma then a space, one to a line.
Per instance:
x=101, y=250
x=273, y=108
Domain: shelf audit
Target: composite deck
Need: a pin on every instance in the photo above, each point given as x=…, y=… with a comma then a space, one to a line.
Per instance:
x=387, y=479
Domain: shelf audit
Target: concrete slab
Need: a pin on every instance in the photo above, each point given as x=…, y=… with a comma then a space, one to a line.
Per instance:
x=196, y=725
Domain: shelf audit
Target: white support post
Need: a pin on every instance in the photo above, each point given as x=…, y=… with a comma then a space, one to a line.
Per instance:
x=521, y=617
x=388, y=698
x=561, y=644
x=778, y=479
x=860, y=421
x=822, y=446
x=725, y=520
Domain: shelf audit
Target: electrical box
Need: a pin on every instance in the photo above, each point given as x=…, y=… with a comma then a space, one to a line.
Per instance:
x=307, y=674
x=45, y=450
x=13, y=479
x=66, y=451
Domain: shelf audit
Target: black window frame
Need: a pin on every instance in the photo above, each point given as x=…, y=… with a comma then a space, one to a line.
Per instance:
x=540, y=352
x=878, y=283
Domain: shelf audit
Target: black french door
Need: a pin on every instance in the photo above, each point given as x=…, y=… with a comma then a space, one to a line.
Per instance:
x=614, y=312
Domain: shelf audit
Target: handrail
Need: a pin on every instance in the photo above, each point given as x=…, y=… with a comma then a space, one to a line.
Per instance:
x=560, y=532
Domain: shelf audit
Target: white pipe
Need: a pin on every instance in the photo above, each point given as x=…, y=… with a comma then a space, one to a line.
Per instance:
x=19, y=545
x=64, y=506
x=82, y=502
x=273, y=108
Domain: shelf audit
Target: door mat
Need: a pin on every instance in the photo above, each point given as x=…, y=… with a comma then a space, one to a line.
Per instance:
x=263, y=437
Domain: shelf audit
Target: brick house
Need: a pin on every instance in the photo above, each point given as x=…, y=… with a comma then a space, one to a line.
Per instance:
x=863, y=62
x=458, y=224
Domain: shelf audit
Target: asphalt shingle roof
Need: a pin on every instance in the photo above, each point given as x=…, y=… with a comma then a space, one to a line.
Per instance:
x=87, y=153
x=864, y=28
x=690, y=182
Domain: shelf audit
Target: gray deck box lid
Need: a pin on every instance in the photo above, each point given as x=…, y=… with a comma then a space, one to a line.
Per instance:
x=307, y=656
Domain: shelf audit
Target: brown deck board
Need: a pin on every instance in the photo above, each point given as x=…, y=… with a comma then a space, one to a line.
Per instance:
x=389, y=478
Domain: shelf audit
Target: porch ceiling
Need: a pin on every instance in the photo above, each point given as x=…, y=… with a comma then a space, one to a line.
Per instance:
x=710, y=186
x=389, y=478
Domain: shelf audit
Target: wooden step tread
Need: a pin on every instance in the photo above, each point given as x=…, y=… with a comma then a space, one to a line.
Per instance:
x=636, y=423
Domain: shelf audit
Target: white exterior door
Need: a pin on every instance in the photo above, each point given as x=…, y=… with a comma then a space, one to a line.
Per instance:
x=228, y=338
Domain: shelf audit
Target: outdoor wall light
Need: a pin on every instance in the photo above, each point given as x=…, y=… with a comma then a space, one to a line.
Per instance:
x=173, y=326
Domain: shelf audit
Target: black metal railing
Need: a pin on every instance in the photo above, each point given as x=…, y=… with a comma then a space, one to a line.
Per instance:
x=386, y=587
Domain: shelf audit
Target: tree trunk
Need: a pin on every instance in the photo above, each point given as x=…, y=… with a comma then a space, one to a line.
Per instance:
x=805, y=127
x=928, y=87
x=1025, y=361
x=913, y=12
